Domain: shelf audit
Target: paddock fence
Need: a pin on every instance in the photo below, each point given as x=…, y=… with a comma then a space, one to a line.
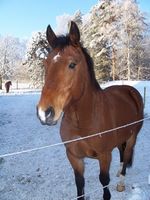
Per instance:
x=100, y=134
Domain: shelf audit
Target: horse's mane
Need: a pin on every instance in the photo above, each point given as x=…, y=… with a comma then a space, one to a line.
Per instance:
x=90, y=64
x=63, y=41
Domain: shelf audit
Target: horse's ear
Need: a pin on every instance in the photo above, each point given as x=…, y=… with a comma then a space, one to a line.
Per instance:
x=74, y=33
x=51, y=37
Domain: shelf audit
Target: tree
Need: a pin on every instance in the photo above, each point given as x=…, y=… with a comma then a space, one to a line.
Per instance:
x=11, y=53
x=133, y=27
x=113, y=32
x=96, y=42
x=115, y=38
x=37, y=49
x=109, y=19
x=145, y=62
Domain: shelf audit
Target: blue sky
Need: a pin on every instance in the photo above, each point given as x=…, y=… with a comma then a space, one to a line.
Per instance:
x=20, y=18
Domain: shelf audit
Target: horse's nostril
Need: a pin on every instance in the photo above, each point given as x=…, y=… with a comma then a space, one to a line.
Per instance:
x=49, y=112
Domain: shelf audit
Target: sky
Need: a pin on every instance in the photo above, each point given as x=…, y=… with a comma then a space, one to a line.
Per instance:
x=20, y=18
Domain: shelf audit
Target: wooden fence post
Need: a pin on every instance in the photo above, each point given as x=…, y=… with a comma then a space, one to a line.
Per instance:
x=144, y=96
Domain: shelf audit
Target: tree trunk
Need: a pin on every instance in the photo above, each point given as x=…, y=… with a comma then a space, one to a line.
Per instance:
x=113, y=64
x=128, y=60
x=139, y=72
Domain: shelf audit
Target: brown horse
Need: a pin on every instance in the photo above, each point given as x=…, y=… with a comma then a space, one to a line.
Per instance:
x=7, y=86
x=71, y=88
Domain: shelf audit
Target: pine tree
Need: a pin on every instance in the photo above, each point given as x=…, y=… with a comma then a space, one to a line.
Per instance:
x=96, y=42
x=133, y=27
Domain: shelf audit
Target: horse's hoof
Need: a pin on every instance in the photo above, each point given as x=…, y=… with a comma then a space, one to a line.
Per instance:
x=120, y=188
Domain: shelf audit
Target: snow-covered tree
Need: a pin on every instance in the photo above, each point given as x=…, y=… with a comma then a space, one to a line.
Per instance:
x=113, y=32
x=11, y=53
x=37, y=49
x=96, y=42
x=132, y=34
x=62, y=23
x=115, y=38
x=145, y=62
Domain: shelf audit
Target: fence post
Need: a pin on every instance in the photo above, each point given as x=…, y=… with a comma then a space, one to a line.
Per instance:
x=144, y=96
x=0, y=82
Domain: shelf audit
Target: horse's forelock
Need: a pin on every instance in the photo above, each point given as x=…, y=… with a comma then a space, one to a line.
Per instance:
x=62, y=41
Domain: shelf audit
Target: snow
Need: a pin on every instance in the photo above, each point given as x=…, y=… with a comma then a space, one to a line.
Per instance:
x=46, y=174
x=137, y=193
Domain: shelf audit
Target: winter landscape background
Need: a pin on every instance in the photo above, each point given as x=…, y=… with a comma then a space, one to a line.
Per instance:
x=46, y=174
x=117, y=36
x=118, y=41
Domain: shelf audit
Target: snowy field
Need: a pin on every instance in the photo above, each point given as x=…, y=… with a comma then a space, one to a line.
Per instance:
x=46, y=174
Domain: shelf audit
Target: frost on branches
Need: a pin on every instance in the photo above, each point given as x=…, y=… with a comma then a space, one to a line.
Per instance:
x=115, y=39
x=37, y=49
x=11, y=54
x=114, y=32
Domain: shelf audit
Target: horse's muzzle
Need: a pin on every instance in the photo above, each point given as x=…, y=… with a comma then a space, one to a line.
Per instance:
x=46, y=117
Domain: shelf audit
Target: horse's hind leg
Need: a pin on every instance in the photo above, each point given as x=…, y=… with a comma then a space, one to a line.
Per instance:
x=78, y=167
x=104, y=178
x=127, y=161
x=121, y=153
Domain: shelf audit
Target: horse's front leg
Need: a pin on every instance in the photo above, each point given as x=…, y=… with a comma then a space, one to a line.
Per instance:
x=105, y=160
x=78, y=167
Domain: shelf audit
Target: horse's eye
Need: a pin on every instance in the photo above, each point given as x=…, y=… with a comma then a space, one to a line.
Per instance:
x=72, y=65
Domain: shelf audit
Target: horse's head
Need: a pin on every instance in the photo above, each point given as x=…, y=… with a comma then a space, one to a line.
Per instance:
x=64, y=75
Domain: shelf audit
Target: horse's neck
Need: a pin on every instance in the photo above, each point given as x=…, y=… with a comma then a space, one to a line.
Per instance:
x=84, y=112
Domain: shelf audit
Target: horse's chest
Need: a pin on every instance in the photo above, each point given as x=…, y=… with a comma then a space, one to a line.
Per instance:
x=82, y=149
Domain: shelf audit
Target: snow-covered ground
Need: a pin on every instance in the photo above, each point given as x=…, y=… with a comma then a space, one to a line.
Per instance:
x=46, y=174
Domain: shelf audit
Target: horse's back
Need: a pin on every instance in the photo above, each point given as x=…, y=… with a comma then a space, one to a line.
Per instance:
x=125, y=103
x=125, y=95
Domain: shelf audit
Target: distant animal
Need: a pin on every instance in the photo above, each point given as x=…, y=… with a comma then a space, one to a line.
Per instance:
x=72, y=89
x=7, y=86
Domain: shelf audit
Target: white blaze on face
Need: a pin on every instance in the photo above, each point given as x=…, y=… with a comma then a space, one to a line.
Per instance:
x=57, y=57
x=41, y=114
